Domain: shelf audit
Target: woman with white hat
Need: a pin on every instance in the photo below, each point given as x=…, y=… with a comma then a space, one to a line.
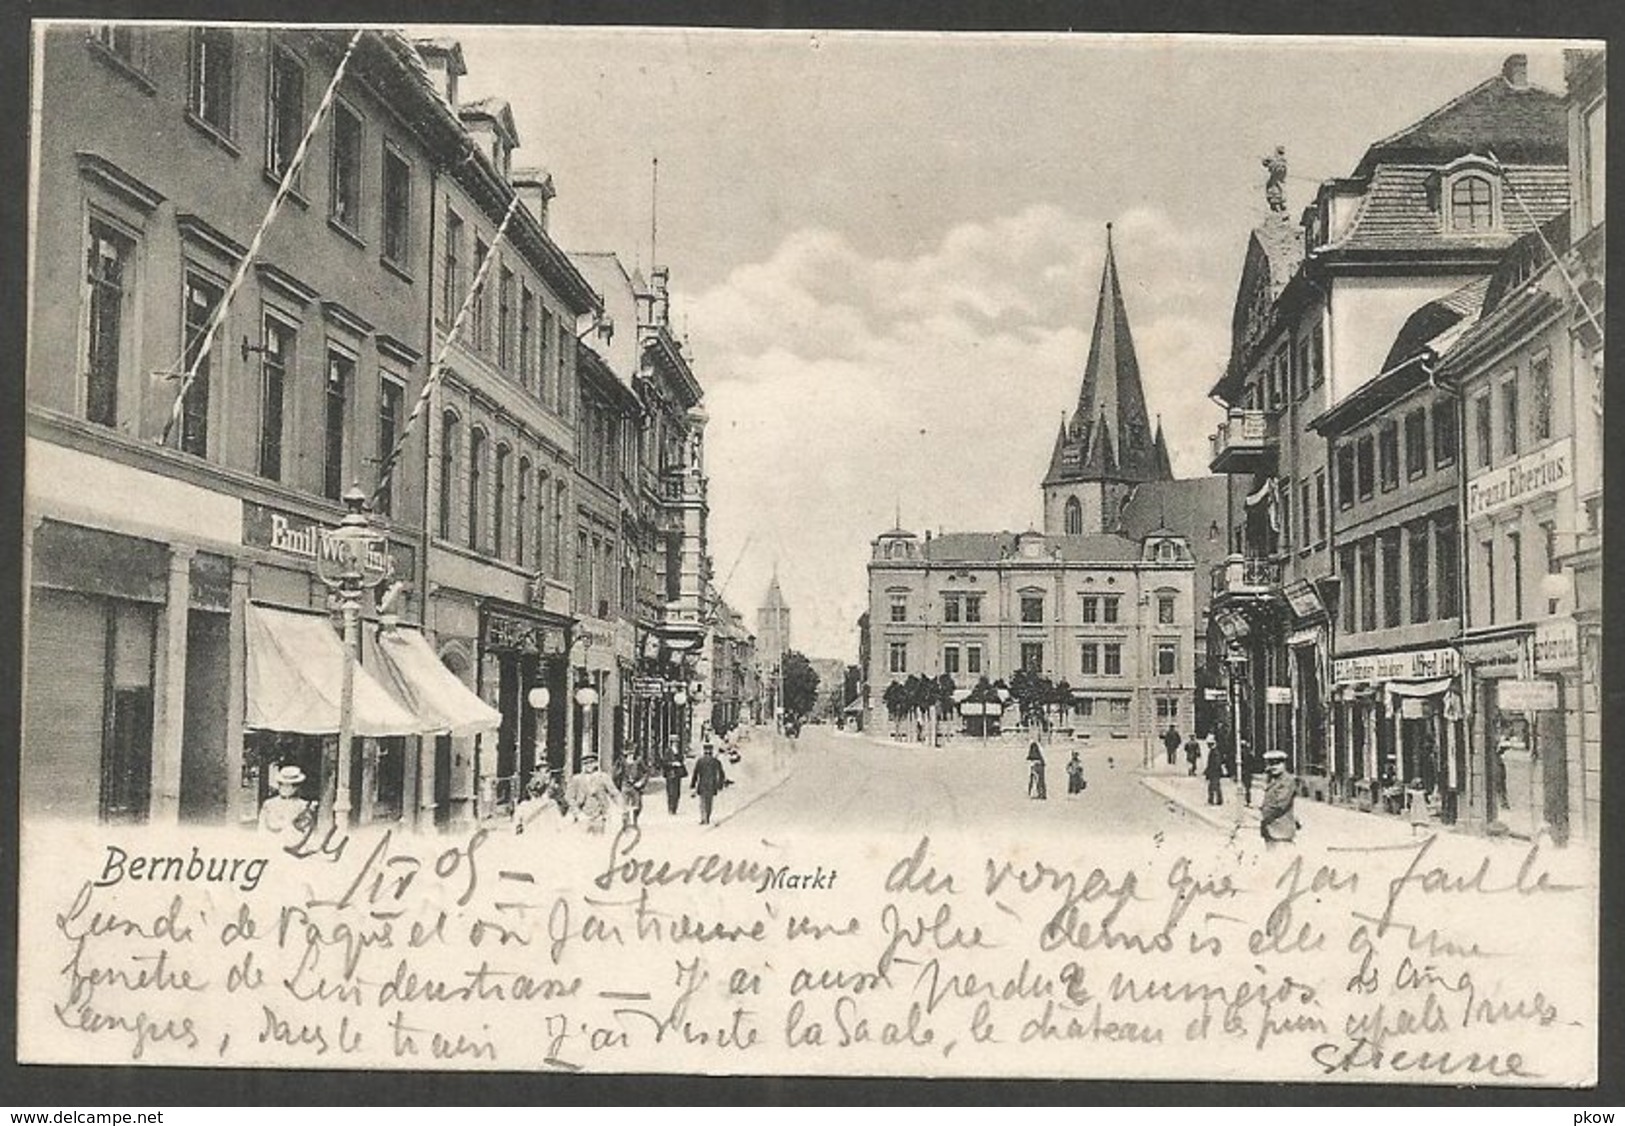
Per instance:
x=285, y=811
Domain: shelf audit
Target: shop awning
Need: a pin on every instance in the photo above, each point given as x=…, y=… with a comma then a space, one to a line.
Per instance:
x=406, y=665
x=1418, y=687
x=295, y=666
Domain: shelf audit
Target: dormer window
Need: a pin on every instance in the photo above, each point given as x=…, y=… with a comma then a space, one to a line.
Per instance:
x=1472, y=204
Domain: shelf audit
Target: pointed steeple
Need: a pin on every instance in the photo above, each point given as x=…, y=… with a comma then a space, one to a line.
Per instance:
x=1059, y=460
x=1164, y=464
x=1112, y=393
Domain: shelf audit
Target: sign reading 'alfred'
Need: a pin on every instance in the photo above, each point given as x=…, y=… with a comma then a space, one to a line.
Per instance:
x=1546, y=470
x=1419, y=664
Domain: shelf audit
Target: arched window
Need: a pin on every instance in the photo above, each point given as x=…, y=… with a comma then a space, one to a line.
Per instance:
x=476, y=483
x=542, y=483
x=519, y=512
x=499, y=507
x=1074, y=517
x=448, y=464
x=1472, y=204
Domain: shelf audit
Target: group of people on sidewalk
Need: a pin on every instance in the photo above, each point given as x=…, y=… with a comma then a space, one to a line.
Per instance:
x=592, y=797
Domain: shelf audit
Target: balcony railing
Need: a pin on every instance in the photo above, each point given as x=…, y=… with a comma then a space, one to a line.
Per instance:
x=1237, y=575
x=682, y=485
x=1246, y=442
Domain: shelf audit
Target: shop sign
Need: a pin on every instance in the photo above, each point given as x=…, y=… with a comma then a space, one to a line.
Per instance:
x=1557, y=645
x=1546, y=470
x=509, y=633
x=1304, y=600
x=1213, y=694
x=1526, y=695
x=648, y=686
x=1500, y=657
x=305, y=538
x=1277, y=694
x=1419, y=664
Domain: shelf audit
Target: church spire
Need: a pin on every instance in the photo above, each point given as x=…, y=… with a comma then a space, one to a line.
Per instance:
x=1111, y=392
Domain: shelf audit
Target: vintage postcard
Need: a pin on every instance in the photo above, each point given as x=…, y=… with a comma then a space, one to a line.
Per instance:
x=675, y=551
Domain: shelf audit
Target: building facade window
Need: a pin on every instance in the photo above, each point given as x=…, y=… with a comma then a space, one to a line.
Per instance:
x=1110, y=606
x=1447, y=577
x=1305, y=514
x=1483, y=429
x=476, y=484
x=1444, y=433
x=202, y=299
x=1416, y=443
x=391, y=399
x=448, y=471
x=899, y=607
x=1074, y=517
x=1421, y=549
x=1540, y=398
x=345, y=174
x=276, y=355
x=950, y=660
x=476, y=311
x=505, y=320
x=335, y=415
x=1112, y=658
x=451, y=279
x=1090, y=609
x=1515, y=566
x=1388, y=455
x=397, y=203
x=1364, y=459
x=1346, y=572
x=1368, y=585
x=897, y=656
x=499, y=504
x=1486, y=550
x=1548, y=535
x=1345, y=475
x=1320, y=507
x=1089, y=659
x=109, y=270
x=1165, y=609
x=1167, y=658
x=1472, y=204
x=1032, y=656
x=1284, y=500
x=1511, y=431
x=521, y=509
x=1391, y=601
x=285, y=113
x=120, y=40
x=973, y=608
x=527, y=336
x=212, y=78
x=1032, y=609
x=973, y=660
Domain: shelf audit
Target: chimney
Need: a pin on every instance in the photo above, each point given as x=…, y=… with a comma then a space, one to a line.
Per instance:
x=534, y=186
x=1516, y=71
x=444, y=58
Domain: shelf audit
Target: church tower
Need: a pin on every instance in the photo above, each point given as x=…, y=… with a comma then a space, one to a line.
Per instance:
x=1107, y=446
x=772, y=626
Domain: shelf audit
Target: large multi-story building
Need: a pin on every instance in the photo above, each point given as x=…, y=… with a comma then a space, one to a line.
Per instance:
x=502, y=452
x=178, y=639
x=1112, y=616
x=1424, y=213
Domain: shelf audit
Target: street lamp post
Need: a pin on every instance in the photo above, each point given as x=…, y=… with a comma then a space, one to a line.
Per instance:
x=350, y=556
x=586, y=696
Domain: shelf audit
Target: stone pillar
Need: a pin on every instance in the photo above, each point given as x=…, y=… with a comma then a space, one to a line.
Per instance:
x=244, y=796
x=169, y=690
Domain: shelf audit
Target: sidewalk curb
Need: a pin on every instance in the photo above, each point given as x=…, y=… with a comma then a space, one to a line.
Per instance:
x=754, y=798
x=1204, y=813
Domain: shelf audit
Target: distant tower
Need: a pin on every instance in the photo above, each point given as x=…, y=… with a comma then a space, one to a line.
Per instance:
x=1108, y=446
x=772, y=626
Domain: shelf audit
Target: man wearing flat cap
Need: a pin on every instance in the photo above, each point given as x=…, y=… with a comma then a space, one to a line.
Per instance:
x=285, y=811
x=1277, y=822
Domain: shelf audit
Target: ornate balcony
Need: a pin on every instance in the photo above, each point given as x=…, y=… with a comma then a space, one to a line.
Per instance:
x=682, y=486
x=1247, y=578
x=1246, y=442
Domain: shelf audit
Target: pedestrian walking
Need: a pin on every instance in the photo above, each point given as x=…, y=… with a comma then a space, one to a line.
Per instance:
x=674, y=772
x=1193, y=754
x=1171, y=741
x=709, y=778
x=1035, y=773
x=592, y=795
x=1416, y=806
x=1075, y=783
x=285, y=811
x=1276, y=820
x=632, y=795
x=1213, y=770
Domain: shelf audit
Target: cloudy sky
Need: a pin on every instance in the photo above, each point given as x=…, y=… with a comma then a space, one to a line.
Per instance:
x=885, y=248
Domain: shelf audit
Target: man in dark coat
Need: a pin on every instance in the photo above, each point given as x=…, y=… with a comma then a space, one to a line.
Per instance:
x=675, y=772
x=1213, y=771
x=1171, y=740
x=709, y=779
x=1035, y=774
x=1193, y=754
